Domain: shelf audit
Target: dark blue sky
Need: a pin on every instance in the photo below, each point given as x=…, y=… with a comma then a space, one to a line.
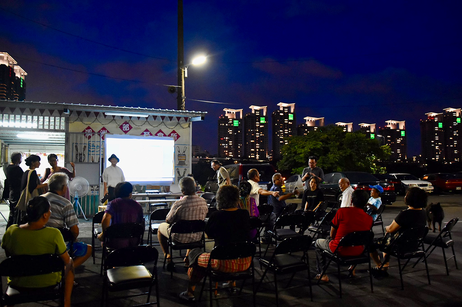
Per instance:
x=350, y=61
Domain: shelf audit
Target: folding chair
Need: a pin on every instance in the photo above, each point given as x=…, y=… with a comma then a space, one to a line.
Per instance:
x=95, y=231
x=408, y=245
x=124, y=269
x=132, y=232
x=279, y=233
x=230, y=252
x=289, y=209
x=378, y=221
x=284, y=261
x=322, y=228
x=157, y=217
x=26, y=265
x=443, y=240
x=256, y=224
x=358, y=238
x=68, y=237
x=185, y=227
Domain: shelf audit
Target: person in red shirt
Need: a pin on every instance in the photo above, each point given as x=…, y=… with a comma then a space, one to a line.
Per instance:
x=346, y=220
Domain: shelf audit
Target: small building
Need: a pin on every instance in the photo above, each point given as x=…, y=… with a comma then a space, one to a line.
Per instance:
x=77, y=132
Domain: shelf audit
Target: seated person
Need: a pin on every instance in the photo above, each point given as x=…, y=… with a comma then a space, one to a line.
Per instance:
x=122, y=210
x=63, y=215
x=311, y=200
x=248, y=203
x=191, y=207
x=346, y=220
x=413, y=216
x=374, y=203
x=34, y=238
x=227, y=225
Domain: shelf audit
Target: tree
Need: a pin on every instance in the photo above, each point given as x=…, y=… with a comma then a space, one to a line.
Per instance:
x=336, y=151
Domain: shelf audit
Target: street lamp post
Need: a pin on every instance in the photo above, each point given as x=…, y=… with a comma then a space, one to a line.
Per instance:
x=183, y=73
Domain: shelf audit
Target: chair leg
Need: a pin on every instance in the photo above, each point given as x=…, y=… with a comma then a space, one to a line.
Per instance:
x=339, y=280
x=400, y=274
x=276, y=288
x=426, y=268
x=454, y=255
x=445, y=261
x=370, y=275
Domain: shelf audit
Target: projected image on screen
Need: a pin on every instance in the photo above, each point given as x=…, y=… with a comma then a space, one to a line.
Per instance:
x=144, y=160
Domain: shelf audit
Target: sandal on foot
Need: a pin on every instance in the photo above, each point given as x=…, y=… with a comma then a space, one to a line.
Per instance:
x=324, y=278
x=187, y=297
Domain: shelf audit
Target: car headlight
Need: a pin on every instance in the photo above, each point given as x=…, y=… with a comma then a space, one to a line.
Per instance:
x=413, y=185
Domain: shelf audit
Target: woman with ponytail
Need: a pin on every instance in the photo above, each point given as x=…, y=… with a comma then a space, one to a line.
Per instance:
x=33, y=238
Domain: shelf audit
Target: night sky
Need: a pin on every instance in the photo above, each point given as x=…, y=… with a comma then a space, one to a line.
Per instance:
x=349, y=61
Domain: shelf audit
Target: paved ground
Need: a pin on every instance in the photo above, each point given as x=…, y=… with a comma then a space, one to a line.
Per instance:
x=443, y=291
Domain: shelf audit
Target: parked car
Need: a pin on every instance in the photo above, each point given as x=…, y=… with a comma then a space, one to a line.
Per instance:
x=409, y=181
x=294, y=181
x=445, y=181
x=392, y=180
x=358, y=180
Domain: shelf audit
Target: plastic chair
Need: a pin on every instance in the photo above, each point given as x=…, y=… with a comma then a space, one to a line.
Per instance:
x=95, y=231
x=26, y=265
x=378, y=221
x=279, y=233
x=157, y=217
x=284, y=261
x=129, y=231
x=229, y=252
x=443, y=240
x=408, y=245
x=125, y=269
x=185, y=227
x=357, y=238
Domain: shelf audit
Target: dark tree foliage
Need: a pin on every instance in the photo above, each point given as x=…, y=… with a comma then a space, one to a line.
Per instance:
x=336, y=151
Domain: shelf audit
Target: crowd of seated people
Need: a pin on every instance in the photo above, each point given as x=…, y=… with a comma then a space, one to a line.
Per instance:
x=230, y=223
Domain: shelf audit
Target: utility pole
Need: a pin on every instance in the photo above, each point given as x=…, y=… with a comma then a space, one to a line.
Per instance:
x=180, y=92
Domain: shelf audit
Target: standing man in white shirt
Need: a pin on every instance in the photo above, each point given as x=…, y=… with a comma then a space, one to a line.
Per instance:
x=112, y=175
x=347, y=191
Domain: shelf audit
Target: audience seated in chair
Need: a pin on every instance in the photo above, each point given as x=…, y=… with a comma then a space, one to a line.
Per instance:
x=191, y=207
x=34, y=238
x=228, y=225
x=63, y=216
x=122, y=210
x=346, y=220
x=311, y=200
x=413, y=216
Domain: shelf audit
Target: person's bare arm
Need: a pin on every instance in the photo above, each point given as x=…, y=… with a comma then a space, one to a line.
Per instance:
x=105, y=224
x=333, y=231
x=267, y=193
x=228, y=181
x=393, y=227
x=73, y=169
x=75, y=231
x=317, y=206
x=105, y=188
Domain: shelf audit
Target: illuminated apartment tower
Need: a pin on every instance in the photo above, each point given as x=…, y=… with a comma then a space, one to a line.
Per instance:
x=230, y=134
x=311, y=124
x=347, y=127
x=394, y=135
x=284, y=125
x=256, y=133
x=441, y=136
x=452, y=134
x=12, y=79
x=368, y=130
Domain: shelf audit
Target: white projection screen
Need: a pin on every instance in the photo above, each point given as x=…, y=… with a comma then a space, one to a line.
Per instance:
x=143, y=159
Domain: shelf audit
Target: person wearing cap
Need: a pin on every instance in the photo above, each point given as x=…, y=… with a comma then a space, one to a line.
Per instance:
x=112, y=175
x=374, y=203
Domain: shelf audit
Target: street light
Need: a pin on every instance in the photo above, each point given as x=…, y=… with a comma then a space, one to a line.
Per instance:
x=184, y=74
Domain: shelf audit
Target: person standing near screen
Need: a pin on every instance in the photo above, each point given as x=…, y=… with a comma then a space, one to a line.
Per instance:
x=112, y=175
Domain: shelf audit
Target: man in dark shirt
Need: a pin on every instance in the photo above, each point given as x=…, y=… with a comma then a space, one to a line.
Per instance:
x=312, y=171
x=14, y=175
x=279, y=202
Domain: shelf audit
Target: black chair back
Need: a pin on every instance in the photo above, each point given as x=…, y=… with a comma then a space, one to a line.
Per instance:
x=233, y=251
x=125, y=231
x=289, y=220
x=448, y=227
x=159, y=214
x=265, y=212
x=289, y=209
x=408, y=242
x=131, y=256
x=185, y=226
x=357, y=238
x=293, y=245
x=27, y=265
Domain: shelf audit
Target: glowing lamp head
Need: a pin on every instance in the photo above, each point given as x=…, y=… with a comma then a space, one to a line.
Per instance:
x=199, y=60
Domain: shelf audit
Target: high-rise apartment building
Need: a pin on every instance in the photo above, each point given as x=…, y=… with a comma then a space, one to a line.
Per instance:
x=256, y=133
x=12, y=79
x=347, y=127
x=311, y=124
x=394, y=135
x=368, y=130
x=230, y=134
x=441, y=136
x=284, y=126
